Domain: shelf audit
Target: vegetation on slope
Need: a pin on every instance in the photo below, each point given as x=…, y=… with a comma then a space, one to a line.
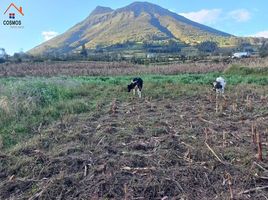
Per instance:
x=138, y=23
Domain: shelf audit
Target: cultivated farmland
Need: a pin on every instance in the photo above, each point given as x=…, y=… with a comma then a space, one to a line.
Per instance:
x=85, y=137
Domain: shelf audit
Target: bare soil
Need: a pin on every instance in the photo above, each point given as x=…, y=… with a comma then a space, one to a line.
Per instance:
x=182, y=148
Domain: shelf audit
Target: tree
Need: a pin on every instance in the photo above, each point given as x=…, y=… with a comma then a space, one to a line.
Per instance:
x=83, y=51
x=245, y=46
x=3, y=55
x=264, y=49
x=207, y=46
x=17, y=57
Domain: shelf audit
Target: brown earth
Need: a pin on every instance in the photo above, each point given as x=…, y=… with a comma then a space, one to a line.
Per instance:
x=86, y=68
x=76, y=68
x=147, y=149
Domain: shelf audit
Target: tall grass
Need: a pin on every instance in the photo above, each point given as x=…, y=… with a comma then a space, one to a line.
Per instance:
x=187, y=78
x=26, y=103
x=242, y=70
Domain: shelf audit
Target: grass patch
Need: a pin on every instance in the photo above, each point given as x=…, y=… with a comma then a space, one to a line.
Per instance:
x=241, y=70
x=202, y=79
x=27, y=102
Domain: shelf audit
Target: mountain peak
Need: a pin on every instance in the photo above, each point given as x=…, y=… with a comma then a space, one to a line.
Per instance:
x=141, y=3
x=106, y=27
x=101, y=10
x=139, y=7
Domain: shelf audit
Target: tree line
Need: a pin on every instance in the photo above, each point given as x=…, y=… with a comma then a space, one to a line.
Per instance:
x=151, y=53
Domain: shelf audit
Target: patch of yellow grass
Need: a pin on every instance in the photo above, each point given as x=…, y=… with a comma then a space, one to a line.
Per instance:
x=4, y=104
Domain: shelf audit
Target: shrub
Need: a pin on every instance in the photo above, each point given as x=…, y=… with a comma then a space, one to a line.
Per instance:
x=240, y=70
x=264, y=50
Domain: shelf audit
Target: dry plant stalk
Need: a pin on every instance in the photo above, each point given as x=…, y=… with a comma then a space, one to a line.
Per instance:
x=261, y=167
x=126, y=192
x=259, y=146
x=203, y=110
x=85, y=170
x=253, y=132
x=138, y=169
x=113, y=107
x=263, y=98
x=249, y=104
x=187, y=155
x=254, y=190
x=229, y=181
x=204, y=120
x=191, y=125
x=213, y=152
x=206, y=134
x=210, y=98
x=225, y=102
x=221, y=108
x=98, y=106
x=234, y=107
x=152, y=106
x=217, y=103
x=224, y=139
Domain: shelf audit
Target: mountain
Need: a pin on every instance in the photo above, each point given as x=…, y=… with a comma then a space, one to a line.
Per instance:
x=139, y=22
x=101, y=10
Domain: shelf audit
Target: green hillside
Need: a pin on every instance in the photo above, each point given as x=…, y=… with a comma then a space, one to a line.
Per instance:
x=138, y=22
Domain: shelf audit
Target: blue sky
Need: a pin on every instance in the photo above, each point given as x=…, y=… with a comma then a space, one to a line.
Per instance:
x=44, y=19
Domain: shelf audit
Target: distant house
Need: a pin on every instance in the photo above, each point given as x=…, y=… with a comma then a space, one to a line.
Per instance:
x=241, y=55
x=151, y=55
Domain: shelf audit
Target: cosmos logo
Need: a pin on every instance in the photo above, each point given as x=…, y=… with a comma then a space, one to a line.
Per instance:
x=14, y=13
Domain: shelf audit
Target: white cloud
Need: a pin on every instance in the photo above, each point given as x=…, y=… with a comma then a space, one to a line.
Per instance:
x=204, y=16
x=239, y=15
x=261, y=34
x=171, y=10
x=213, y=16
x=49, y=34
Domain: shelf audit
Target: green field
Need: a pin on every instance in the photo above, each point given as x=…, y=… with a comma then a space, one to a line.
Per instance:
x=26, y=102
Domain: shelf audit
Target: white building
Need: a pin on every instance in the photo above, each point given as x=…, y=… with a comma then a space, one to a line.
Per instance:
x=241, y=55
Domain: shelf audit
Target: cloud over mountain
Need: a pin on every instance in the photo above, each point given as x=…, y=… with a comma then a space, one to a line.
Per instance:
x=47, y=35
x=204, y=16
x=240, y=15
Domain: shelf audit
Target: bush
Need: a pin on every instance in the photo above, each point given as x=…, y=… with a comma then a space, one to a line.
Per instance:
x=208, y=47
x=264, y=50
x=240, y=70
x=2, y=60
